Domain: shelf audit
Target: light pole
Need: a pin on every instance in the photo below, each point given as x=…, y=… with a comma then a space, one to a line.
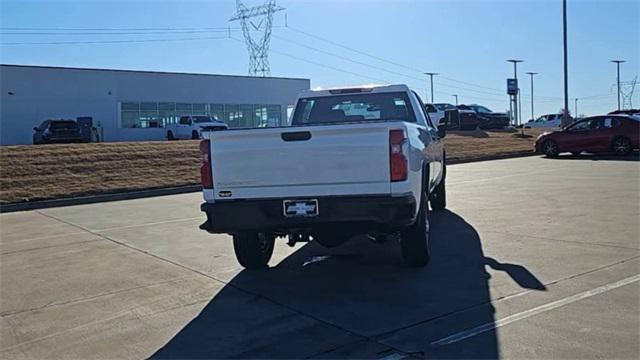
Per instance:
x=431, y=77
x=515, y=97
x=565, y=117
x=575, y=115
x=618, y=62
x=532, y=113
x=455, y=96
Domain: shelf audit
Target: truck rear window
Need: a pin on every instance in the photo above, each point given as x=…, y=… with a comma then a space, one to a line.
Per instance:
x=353, y=108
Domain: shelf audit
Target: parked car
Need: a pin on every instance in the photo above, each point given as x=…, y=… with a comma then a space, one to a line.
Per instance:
x=57, y=131
x=606, y=133
x=354, y=161
x=458, y=119
x=191, y=127
x=546, y=121
x=487, y=119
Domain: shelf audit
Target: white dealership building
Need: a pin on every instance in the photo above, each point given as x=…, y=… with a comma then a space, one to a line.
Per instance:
x=136, y=105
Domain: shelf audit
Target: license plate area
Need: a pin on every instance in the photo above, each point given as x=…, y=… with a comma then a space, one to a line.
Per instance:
x=300, y=208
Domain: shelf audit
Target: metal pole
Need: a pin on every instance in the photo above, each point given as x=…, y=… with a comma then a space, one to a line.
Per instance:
x=431, y=74
x=533, y=116
x=431, y=88
x=575, y=116
x=456, y=96
x=565, y=118
x=618, y=81
x=519, y=106
x=618, y=62
x=515, y=98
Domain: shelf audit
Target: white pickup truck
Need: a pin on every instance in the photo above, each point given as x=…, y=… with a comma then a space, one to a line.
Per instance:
x=191, y=127
x=354, y=161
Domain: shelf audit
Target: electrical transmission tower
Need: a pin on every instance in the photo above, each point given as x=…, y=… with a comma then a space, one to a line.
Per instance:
x=258, y=19
x=626, y=91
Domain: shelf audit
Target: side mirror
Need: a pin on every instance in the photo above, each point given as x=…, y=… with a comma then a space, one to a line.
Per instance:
x=35, y=128
x=442, y=130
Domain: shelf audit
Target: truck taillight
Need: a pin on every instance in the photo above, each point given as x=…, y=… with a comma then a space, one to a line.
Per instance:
x=397, y=159
x=205, y=167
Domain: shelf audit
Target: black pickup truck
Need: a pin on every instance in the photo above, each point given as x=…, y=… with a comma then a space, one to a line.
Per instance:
x=57, y=131
x=487, y=119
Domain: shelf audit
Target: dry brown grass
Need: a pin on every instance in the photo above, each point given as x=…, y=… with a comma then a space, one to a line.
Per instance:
x=29, y=173
x=67, y=170
x=476, y=145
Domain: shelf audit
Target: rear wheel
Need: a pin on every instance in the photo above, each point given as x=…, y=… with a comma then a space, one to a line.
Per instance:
x=170, y=135
x=621, y=146
x=195, y=135
x=415, y=239
x=253, y=249
x=550, y=148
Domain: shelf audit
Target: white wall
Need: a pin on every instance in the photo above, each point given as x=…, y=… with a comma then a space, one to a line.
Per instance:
x=41, y=93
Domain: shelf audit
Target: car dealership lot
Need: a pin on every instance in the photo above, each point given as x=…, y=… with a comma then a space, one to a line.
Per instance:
x=535, y=258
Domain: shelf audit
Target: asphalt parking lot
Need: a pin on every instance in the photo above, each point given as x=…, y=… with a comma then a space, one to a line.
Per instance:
x=535, y=258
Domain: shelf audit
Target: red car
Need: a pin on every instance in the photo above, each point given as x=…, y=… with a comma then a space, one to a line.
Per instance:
x=606, y=133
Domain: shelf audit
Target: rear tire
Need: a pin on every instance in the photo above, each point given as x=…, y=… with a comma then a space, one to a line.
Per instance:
x=253, y=249
x=195, y=135
x=170, y=136
x=550, y=148
x=415, y=239
x=439, y=197
x=621, y=146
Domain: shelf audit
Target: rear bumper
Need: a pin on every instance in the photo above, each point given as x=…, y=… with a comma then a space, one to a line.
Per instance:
x=384, y=212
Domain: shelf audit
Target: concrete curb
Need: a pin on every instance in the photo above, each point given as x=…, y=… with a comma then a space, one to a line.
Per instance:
x=513, y=155
x=43, y=204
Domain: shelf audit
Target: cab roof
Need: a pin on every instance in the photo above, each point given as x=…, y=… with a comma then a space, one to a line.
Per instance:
x=355, y=90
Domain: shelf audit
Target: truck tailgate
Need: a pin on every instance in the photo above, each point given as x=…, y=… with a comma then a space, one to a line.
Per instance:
x=350, y=159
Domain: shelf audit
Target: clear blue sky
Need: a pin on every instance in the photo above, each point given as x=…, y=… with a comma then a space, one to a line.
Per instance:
x=467, y=41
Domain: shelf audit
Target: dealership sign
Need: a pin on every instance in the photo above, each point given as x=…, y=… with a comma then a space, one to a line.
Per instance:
x=512, y=86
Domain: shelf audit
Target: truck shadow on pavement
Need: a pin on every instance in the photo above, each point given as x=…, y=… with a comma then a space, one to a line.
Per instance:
x=356, y=301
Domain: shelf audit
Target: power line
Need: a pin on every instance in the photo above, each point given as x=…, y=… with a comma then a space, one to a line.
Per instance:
x=345, y=58
x=496, y=92
x=164, y=32
x=352, y=49
x=321, y=65
x=381, y=68
x=112, y=41
x=56, y=31
x=109, y=29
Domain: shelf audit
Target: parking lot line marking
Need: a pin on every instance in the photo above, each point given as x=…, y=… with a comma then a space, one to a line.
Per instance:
x=534, y=311
x=150, y=224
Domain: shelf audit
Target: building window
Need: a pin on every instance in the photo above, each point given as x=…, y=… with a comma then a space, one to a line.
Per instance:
x=217, y=111
x=161, y=114
x=274, y=115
